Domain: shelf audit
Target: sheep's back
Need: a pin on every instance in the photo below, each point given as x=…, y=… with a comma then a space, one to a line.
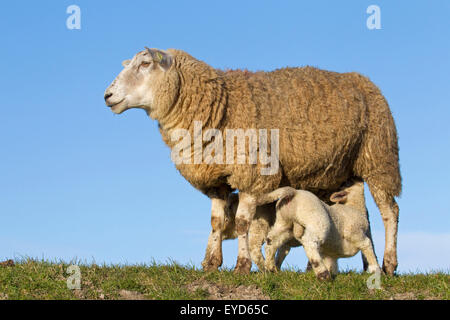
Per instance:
x=320, y=115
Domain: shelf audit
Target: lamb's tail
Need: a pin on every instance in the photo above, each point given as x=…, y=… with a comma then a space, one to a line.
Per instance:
x=276, y=195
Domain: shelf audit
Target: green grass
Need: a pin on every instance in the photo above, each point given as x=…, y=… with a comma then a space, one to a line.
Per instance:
x=33, y=279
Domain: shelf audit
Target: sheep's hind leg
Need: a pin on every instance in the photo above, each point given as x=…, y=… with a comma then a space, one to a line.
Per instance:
x=213, y=257
x=389, y=212
x=245, y=213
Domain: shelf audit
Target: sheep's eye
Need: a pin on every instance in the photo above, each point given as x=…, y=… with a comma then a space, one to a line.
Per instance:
x=145, y=64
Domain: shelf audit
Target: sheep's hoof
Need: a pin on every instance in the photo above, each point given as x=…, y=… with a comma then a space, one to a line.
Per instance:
x=324, y=276
x=211, y=264
x=389, y=269
x=210, y=267
x=243, y=266
x=389, y=265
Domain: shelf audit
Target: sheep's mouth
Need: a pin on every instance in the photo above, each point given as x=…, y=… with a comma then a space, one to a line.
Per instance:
x=117, y=107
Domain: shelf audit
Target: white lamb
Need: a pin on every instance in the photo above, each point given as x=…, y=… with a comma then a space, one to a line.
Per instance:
x=326, y=232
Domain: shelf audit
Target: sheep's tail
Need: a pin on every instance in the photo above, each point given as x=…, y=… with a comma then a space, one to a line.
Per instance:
x=276, y=195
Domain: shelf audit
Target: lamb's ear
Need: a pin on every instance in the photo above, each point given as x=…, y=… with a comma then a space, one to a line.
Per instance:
x=339, y=197
x=125, y=63
x=162, y=58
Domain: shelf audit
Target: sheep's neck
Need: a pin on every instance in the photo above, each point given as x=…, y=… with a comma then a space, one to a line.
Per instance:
x=201, y=102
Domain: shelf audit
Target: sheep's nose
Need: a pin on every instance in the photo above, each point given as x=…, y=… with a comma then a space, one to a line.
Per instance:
x=107, y=95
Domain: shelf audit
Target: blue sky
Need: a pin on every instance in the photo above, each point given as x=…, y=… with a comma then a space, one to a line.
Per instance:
x=77, y=181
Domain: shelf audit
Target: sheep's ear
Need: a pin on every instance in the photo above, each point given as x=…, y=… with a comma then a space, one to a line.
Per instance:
x=162, y=58
x=339, y=197
x=125, y=63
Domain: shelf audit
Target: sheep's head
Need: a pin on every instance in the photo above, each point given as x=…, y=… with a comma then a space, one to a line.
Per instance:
x=142, y=82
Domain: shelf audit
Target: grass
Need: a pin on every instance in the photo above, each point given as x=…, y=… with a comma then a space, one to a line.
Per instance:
x=34, y=279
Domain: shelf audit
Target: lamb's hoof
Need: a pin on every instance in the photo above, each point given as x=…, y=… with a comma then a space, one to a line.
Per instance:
x=389, y=266
x=324, y=276
x=270, y=266
x=271, y=269
x=374, y=269
x=261, y=268
x=243, y=266
x=211, y=264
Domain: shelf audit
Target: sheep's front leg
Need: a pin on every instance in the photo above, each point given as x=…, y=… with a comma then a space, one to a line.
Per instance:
x=245, y=213
x=213, y=257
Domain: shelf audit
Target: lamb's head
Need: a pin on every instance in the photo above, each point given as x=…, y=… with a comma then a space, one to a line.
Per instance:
x=148, y=81
x=352, y=193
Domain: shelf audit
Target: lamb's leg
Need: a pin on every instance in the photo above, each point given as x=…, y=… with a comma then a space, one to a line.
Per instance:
x=282, y=252
x=364, y=262
x=389, y=212
x=369, y=234
x=331, y=264
x=313, y=253
x=213, y=257
x=244, y=215
x=278, y=235
x=256, y=238
x=367, y=249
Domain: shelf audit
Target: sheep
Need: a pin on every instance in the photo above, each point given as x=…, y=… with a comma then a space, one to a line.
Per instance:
x=326, y=232
x=331, y=126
